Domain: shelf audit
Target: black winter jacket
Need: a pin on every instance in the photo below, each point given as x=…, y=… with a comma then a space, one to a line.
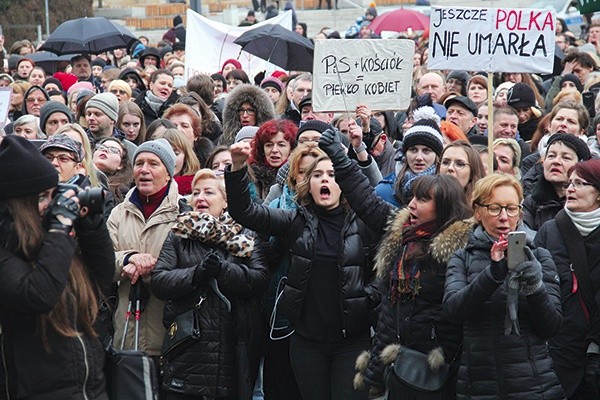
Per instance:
x=495, y=365
x=568, y=347
x=542, y=204
x=212, y=365
x=298, y=228
x=73, y=369
x=149, y=114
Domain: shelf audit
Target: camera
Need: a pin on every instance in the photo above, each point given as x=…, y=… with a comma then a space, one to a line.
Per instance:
x=92, y=198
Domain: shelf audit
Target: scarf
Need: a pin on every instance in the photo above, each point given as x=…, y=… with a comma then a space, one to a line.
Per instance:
x=222, y=231
x=585, y=222
x=406, y=277
x=154, y=102
x=409, y=178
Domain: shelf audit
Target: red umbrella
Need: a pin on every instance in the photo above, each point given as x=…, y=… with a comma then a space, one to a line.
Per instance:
x=400, y=20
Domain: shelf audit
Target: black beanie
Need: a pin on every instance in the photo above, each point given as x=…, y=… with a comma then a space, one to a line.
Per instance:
x=53, y=80
x=313, y=125
x=50, y=108
x=177, y=20
x=98, y=62
x=425, y=132
x=572, y=78
x=23, y=169
x=573, y=142
x=521, y=96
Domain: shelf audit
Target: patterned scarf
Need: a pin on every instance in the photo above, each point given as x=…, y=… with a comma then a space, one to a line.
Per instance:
x=222, y=231
x=406, y=277
x=409, y=179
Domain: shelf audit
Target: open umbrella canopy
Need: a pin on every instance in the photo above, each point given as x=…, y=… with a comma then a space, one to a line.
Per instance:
x=280, y=46
x=88, y=36
x=47, y=60
x=399, y=21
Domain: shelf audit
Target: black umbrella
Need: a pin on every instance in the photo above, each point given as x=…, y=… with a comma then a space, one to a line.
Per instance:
x=47, y=60
x=280, y=46
x=88, y=36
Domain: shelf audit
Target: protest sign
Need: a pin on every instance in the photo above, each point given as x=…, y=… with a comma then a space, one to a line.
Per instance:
x=5, y=96
x=588, y=6
x=491, y=39
x=210, y=43
x=349, y=72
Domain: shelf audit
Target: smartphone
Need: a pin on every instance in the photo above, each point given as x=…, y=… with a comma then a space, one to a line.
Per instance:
x=516, y=248
x=589, y=100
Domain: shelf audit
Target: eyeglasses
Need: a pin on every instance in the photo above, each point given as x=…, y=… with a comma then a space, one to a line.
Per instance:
x=108, y=149
x=512, y=210
x=249, y=111
x=119, y=91
x=62, y=158
x=577, y=184
x=458, y=164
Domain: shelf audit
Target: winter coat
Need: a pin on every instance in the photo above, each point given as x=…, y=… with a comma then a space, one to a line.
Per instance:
x=72, y=368
x=209, y=366
x=247, y=93
x=131, y=233
x=422, y=325
x=264, y=177
x=568, y=348
x=494, y=365
x=149, y=114
x=542, y=204
x=298, y=228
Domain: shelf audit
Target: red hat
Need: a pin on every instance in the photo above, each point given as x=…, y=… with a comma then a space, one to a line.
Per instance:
x=66, y=80
x=279, y=75
x=233, y=61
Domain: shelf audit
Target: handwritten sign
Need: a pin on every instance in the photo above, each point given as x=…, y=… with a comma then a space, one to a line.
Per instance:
x=5, y=96
x=491, y=39
x=349, y=72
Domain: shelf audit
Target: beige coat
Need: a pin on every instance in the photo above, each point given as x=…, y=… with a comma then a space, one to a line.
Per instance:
x=130, y=234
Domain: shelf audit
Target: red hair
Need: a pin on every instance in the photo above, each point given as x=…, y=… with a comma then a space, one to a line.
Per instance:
x=452, y=132
x=266, y=132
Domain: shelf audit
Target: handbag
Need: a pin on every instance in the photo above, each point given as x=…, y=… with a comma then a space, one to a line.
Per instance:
x=411, y=369
x=131, y=374
x=184, y=330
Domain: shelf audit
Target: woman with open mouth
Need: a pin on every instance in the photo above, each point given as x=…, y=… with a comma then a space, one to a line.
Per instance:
x=547, y=197
x=572, y=239
x=327, y=296
x=417, y=241
x=160, y=96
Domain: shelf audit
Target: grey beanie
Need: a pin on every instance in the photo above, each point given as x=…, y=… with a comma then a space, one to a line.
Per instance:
x=247, y=132
x=162, y=149
x=50, y=108
x=107, y=103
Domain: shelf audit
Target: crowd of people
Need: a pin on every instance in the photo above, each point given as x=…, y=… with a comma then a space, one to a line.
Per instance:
x=313, y=253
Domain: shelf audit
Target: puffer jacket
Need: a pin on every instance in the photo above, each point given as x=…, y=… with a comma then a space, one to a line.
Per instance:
x=209, y=366
x=299, y=229
x=250, y=94
x=541, y=205
x=72, y=368
x=568, y=348
x=131, y=234
x=494, y=365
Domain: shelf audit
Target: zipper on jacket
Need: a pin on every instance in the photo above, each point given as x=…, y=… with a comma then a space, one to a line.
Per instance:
x=4, y=364
x=87, y=367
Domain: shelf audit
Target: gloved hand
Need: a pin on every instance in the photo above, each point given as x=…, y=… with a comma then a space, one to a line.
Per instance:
x=331, y=144
x=258, y=78
x=592, y=374
x=210, y=267
x=530, y=274
x=61, y=214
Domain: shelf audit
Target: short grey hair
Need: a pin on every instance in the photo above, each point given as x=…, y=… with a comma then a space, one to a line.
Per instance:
x=27, y=119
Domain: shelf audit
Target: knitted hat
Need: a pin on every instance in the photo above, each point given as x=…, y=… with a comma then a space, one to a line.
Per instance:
x=50, y=108
x=162, y=149
x=52, y=80
x=66, y=80
x=98, y=62
x=572, y=78
x=64, y=142
x=165, y=50
x=247, y=132
x=107, y=103
x=371, y=11
x=521, y=96
x=462, y=76
x=279, y=75
x=272, y=82
x=83, y=85
x=233, y=61
x=573, y=142
x=23, y=170
x=178, y=46
x=464, y=102
x=313, y=125
x=425, y=132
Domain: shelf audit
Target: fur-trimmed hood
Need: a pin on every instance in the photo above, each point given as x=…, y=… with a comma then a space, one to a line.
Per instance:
x=455, y=236
x=244, y=94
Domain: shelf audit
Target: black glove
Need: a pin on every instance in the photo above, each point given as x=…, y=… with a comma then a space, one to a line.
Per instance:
x=258, y=78
x=210, y=267
x=61, y=214
x=531, y=274
x=592, y=373
x=331, y=144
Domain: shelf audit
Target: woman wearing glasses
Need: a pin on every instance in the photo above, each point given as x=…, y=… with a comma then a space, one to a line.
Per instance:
x=462, y=161
x=507, y=315
x=573, y=239
x=246, y=105
x=548, y=194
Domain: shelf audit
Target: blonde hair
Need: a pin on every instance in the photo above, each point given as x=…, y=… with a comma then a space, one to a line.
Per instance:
x=120, y=84
x=567, y=94
x=88, y=165
x=482, y=193
x=206, y=173
x=177, y=139
x=303, y=150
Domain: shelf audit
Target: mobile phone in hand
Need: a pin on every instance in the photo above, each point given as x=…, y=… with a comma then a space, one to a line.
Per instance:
x=515, y=252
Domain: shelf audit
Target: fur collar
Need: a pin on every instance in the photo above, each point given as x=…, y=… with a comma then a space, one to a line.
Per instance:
x=444, y=244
